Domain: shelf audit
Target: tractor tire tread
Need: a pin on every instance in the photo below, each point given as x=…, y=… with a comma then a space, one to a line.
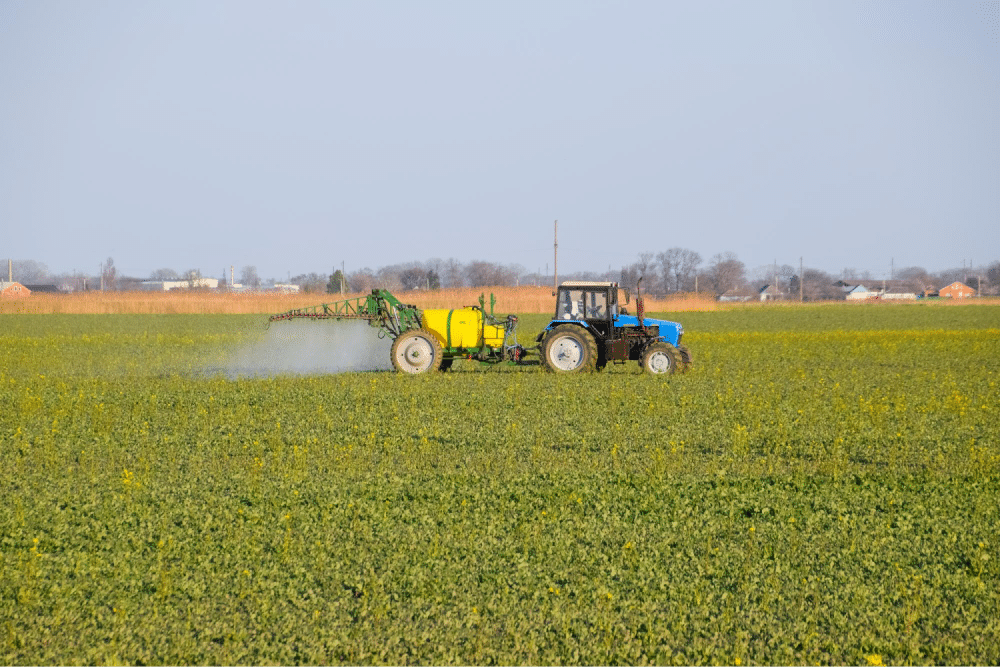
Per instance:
x=589, y=363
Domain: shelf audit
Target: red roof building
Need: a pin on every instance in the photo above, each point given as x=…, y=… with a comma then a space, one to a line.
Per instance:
x=957, y=290
x=8, y=289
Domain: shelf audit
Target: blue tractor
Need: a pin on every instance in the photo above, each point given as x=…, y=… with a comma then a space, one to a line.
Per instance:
x=590, y=330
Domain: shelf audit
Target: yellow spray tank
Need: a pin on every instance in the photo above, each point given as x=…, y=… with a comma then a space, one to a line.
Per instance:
x=463, y=328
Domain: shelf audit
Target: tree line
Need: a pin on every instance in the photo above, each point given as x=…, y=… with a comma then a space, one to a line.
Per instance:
x=672, y=271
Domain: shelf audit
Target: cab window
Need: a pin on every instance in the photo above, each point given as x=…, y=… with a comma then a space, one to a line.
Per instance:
x=597, y=305
x=571, y=306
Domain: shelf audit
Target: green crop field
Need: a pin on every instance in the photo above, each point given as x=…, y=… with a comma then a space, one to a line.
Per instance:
x=823, y=487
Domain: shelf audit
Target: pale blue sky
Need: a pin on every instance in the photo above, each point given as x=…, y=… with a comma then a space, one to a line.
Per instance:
x=294, y=135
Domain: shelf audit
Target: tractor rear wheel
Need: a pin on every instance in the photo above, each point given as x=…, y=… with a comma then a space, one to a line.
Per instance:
x=660, y=359
x=569, y=348
x=416, y=351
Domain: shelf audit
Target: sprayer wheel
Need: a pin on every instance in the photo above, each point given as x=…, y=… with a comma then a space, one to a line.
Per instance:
x=416, y=351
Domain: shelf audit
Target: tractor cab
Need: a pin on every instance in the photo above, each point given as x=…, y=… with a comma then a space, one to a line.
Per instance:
x=589, y=301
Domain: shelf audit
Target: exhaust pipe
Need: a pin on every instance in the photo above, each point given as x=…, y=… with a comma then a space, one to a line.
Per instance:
x=640, y=306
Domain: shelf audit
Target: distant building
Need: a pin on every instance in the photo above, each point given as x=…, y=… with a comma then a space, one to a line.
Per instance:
x=770, y=293
x=861, y=293
x=50, y=289
x=739, y=294
x=957, y=290
x=287, y=288
x=167, y=285
x=13, y=289
x=887, y=290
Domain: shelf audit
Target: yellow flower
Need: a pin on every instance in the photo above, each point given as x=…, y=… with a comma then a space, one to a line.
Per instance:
x=875, y=660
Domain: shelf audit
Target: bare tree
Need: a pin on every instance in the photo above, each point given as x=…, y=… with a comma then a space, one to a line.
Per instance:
x=992, y=275
x=311, y=282
x=108, y=274
x=27, y=271
x=785, y=274
x=480, y=274
x=387, y=277
x=645, y=265
x=249, y=277
x=413, y=278
x=852, y=275
x=630, y=275
x=164, y=274
x=726, y=272
x=915, y=278
x=363, y=280
x=679, y=266
x=776, y=276
x=687, y=270
x=668, y=263
x=816, y=286
x=453, y=272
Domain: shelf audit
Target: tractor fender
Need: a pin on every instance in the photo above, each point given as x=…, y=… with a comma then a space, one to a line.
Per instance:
x=554, y=323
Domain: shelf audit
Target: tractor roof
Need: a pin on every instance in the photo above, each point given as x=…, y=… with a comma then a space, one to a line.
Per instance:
x=586, y=283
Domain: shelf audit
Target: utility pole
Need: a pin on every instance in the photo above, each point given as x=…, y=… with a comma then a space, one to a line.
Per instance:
x=101, y=268
x=555, y=266
x=343, y=278
x=774, y=278
x=800, y=280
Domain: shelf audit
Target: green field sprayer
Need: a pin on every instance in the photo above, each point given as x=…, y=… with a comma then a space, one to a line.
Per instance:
x=427, y=340
x=588, y=332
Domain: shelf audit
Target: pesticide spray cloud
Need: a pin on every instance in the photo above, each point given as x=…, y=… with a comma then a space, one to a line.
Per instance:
x=313, y=347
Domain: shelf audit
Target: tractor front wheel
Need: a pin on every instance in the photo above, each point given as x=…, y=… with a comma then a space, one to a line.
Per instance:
x=686, y=359
x=416, y=351
x=569, y=348
x=660, y=359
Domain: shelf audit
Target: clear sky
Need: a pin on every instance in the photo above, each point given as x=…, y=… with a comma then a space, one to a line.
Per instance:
x=296, y=135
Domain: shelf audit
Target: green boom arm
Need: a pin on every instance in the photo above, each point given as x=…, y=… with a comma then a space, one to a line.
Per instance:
x=380, y=309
